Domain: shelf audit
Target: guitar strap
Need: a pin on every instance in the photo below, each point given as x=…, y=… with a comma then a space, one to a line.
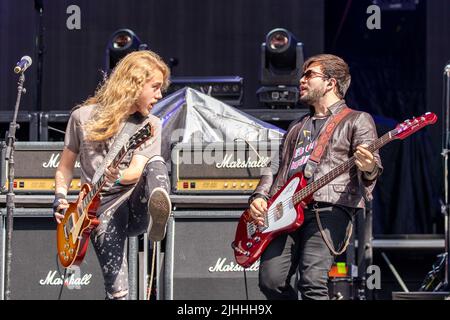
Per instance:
x=127, y=131
x=322, y=142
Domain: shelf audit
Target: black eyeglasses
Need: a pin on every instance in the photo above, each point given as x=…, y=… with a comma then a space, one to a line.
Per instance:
x=309, y=74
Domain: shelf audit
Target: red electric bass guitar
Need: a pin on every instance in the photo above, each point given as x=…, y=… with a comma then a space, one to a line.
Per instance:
x=80, y=218
x=285, y=208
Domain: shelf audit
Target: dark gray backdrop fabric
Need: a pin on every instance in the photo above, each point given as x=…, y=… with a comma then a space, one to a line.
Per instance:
x=397, y=71
x=209, y=38
x=389, y=70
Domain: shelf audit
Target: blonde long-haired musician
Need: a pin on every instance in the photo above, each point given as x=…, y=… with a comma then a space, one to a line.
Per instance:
x=135, y=199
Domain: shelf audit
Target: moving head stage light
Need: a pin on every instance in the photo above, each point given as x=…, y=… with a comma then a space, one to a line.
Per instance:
x=121, y=43
x=281, y=64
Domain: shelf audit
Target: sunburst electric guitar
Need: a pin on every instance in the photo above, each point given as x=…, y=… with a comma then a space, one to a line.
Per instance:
x=80, y=218
x=285, y=208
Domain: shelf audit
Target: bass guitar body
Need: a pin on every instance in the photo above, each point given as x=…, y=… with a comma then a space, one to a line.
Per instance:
x=282, y=216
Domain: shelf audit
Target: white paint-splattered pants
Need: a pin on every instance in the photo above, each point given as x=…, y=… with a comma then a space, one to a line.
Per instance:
x=117, y=222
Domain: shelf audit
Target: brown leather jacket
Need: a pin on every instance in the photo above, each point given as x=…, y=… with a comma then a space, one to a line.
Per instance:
x=350, y=188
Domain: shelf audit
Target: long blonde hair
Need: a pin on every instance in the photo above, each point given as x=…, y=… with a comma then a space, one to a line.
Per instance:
x=117, y=95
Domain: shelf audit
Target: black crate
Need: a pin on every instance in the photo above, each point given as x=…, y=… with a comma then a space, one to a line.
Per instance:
x=27, y=121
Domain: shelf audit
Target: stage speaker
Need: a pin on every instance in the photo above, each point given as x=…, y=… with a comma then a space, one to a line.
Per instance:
x=35, y=270
x=199, y=262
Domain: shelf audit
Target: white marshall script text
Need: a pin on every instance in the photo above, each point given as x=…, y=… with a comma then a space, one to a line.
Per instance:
x=74, y=281
x=222, y=266
x=227, y=163
x=54, y=162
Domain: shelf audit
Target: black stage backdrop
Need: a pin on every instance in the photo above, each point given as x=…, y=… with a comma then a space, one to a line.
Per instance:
x=389, y=70
x=209, y=38
x=397, y=71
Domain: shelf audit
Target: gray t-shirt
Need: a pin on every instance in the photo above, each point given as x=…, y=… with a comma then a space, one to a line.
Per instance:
x=93, y=153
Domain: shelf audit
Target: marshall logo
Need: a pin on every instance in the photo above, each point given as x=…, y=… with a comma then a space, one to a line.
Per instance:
x=223, y=266
x=54, y=162
x=71, y=281
x=227, y=163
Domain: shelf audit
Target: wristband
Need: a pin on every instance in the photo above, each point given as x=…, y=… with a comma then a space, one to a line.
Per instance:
x=60, y=195
x=56, y=202
x=117, y=182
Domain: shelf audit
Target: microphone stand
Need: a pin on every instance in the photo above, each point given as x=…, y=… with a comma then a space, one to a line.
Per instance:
x=9, y=157
x=445, y=151
x=39, y=6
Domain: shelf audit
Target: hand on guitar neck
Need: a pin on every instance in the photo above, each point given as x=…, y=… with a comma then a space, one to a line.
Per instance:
x=112, y=175
x=364, y=160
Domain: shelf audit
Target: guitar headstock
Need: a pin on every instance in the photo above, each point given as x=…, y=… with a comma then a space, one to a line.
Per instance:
x=408, y=127
x=143, y=134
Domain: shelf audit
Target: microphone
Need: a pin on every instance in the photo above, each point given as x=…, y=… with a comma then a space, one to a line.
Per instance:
x=23, y=64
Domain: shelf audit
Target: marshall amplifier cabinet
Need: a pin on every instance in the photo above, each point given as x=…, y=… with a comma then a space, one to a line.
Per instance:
x=35, y=270
x=35, y=164
x=220, y=168
x=199, y=262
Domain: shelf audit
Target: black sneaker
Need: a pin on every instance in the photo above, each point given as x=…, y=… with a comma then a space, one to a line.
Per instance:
x=159, y=207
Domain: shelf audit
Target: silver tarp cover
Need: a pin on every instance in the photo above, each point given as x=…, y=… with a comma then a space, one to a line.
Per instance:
x=189, y=116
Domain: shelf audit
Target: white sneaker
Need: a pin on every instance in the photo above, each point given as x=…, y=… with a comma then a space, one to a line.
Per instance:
x=159, y=207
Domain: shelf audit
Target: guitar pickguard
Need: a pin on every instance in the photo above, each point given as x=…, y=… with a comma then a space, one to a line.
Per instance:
x=282, y=212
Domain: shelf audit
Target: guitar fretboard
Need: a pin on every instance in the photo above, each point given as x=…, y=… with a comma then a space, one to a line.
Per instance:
x=102, y=180
x=343, y=167
x=135, y=141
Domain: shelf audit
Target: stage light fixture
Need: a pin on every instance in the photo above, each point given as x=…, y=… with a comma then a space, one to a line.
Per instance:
x=406, y=5
x=281, y=64
x=121, y=43
x=228, y=89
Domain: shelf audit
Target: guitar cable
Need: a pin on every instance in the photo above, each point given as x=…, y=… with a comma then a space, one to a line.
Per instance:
x=246, y=286
x=152, y=269
x=63, y=277
x=259, y=158
x=251, y=146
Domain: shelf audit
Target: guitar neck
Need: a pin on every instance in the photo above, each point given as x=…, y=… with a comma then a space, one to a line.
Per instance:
x=102, y=180
x=343, y=167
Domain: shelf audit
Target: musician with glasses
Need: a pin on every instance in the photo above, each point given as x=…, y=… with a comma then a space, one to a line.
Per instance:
x=312, y=248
